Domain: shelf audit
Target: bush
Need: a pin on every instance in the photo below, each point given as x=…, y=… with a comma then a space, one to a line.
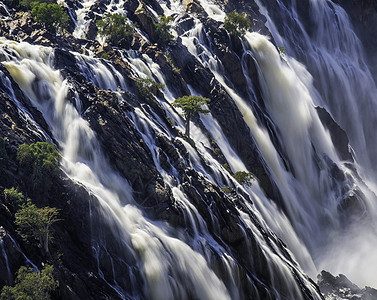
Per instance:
x=34, y=223
x=191, y=106
x=148, y=88
x=14, y=197
x=237, y=24
x=163, y=29
x=41, y=164
x=52, y=16
x=31, y=285
x=27, y=3
x=115, y=28
x=244, y=178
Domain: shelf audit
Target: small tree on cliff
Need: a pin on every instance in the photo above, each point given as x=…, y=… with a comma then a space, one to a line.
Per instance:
x=31, y=285
x=115, y=28
x=237, y=24
x=35, y=223
x=191, y=106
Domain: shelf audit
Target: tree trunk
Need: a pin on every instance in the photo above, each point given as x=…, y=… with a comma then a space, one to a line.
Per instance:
x=45, y=242
x=187, y=131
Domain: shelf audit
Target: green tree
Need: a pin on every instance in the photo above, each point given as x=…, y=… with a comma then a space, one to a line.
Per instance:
x=40, y=162
x=237, y=24
x=148, y=88
x=191, y=106
x=27, y=3
x=35, y=223
x=115, y=28
x=163, y=29
x=52, y=16
x=243, y=177
x=14, y=197
x=31, y=285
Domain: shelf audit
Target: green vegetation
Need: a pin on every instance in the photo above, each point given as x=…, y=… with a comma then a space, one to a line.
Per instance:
x=115, y=28
x=170, y=61
x=163, y=29
x=227, y=189
x=148, y=88
x=27, y=3
x=40, y=162
x=226, y=167
x=243, y=177
x=237, y=24
x=106, y=56
x=191, y=106
x=281, y=49
x=35, y=223
x=31, y=285
x=52, y=16
x=14, y=197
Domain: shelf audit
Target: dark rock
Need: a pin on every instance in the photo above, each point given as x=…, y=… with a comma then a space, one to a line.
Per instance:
x=340, y=286
x=338, y=135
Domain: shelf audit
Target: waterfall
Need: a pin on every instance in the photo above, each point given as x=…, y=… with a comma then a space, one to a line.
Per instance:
x=323, y=66
x=84, y=162
x=4, y=253
x=337, y=78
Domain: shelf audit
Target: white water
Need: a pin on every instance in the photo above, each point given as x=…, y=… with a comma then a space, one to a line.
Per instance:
x=310, y=224
x=5, y=256
x=344, y=85
x=84, y=162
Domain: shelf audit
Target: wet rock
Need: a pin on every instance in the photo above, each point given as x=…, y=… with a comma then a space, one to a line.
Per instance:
x=146, y=23
x=340, y=287
x=338, y=135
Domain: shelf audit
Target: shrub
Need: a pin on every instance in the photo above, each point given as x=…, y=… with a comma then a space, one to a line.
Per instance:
x=31, y=285
x=227, y=189
x=243, y=177
x=34, y=223
x=27, y=3
x=163, y=29
x=237, y=24
x=14, y=197
x=115, y=28
x=148, y=88
x=41, y=164
x=52, y=16
x=191, y=106
x=281, y=49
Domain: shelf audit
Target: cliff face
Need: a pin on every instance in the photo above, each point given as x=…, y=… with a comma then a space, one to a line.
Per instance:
x=147, y=213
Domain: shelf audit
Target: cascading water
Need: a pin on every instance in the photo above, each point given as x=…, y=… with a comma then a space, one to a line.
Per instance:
x=5, y=256
x=343, y=84
x=165, y=261
x=181, y=265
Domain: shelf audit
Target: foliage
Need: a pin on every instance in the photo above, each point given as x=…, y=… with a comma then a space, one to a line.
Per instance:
x=281, y=49
x=52, y=16
x=191, y=106
x=227, y=189
x=115, y=28
x=226, y=167
x=34, y=223
x=237, y=24
x=27, y=3
x=14, y=197
x=163, y=29
x=148, y=88
x=31, y=285
x=106, y=56
x=13, y=3
x=41, y=164
x=170, y=61
x=243, y=177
